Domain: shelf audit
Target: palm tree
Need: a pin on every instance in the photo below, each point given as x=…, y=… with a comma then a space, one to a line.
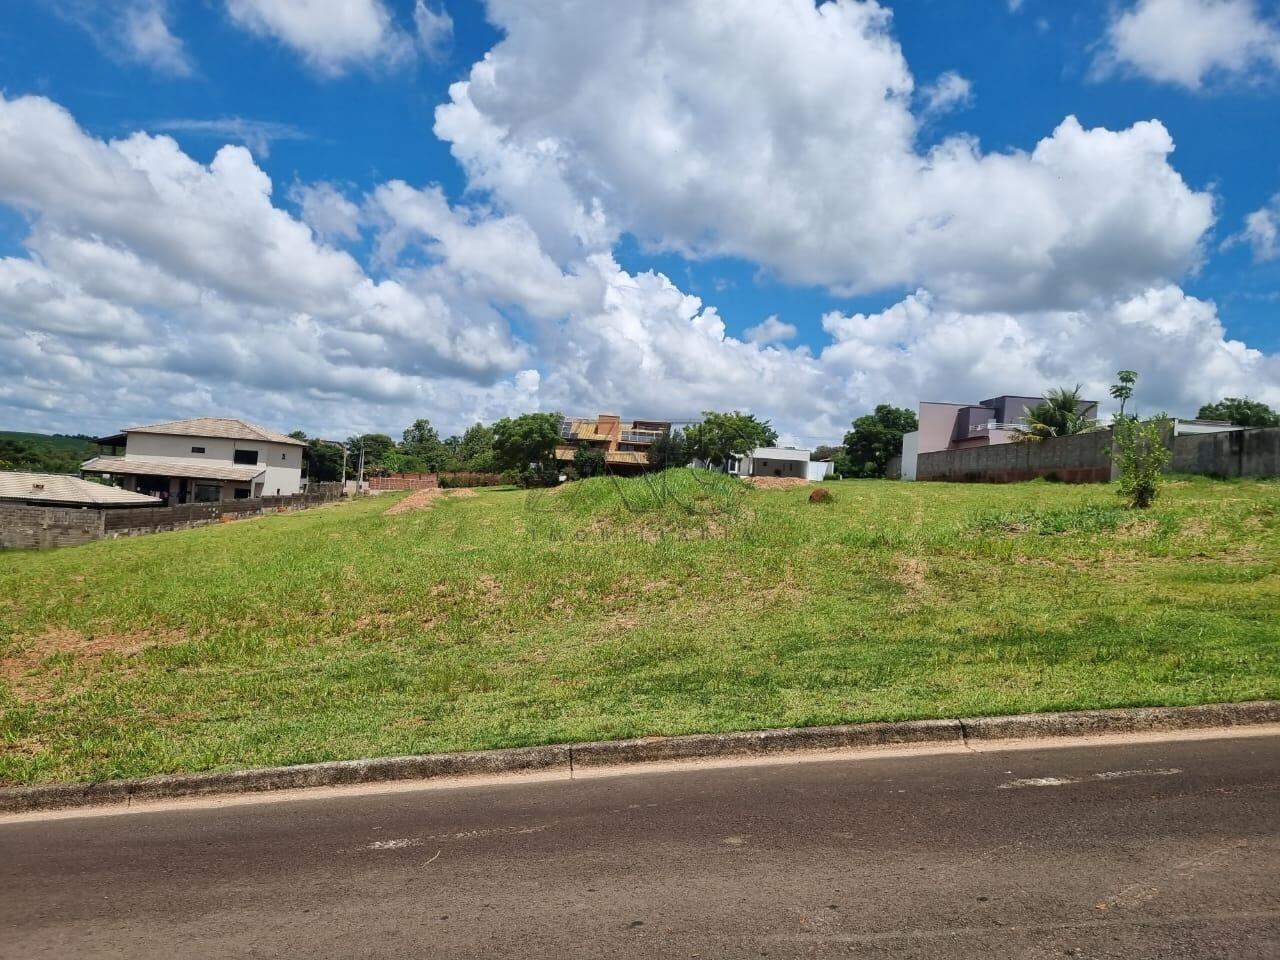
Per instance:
x=1059, y=414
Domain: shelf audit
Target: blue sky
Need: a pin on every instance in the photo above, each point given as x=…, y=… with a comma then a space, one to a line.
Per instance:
x=367, y=123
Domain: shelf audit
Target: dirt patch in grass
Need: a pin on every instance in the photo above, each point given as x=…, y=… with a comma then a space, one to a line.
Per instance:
x=425, y=499
x=776, y=483
x=19, y=666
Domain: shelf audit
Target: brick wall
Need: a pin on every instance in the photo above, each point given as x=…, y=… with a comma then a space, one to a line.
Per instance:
x=405, y=481
x=23, y=527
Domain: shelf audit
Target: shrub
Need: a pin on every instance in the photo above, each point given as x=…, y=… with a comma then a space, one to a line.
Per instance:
x=466, y=478
x=1140, y=455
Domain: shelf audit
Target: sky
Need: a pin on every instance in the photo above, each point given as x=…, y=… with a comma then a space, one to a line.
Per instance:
x=343, y=215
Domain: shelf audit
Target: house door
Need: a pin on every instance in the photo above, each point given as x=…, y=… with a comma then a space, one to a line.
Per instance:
x=184, y=492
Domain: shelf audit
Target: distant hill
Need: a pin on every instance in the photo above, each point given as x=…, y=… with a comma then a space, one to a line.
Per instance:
x=44, y=452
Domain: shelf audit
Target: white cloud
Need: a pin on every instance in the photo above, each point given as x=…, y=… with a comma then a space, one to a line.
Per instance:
x=781, y=132
x=327, y=211
x=257, y=135
x=331, y=36
x=771, y=330
x=435, y=30
x=146, y=34
x=1261, y=232
x=1190, y=42
x=949, y=92
x=131, y=30
x=155, y=285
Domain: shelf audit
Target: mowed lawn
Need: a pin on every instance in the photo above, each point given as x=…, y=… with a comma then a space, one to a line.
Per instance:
x=608, y=610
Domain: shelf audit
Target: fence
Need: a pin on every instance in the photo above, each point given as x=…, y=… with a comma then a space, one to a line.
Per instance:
x=1086, y=458
x=29, y=527
x=404, y=481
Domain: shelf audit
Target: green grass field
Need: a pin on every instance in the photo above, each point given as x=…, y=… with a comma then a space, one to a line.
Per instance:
x=606, y=610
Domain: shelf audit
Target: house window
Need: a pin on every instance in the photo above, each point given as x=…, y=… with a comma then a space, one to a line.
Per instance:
x=207, y=493
x=246, y=457
x=242, y=493
x=197, y=449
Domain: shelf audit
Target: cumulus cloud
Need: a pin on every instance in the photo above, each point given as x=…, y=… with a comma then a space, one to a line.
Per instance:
x=185, y=273
x=327, y=211
x=331, y=37
x=1189, y=43
x=949, y=92
x=771, y=330
x=155, y=285
x=1261, y=232
x=782, y=132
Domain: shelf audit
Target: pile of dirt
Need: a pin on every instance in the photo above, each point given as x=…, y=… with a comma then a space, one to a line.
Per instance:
x=776, y=483
x=424, y=499
x=821, y=495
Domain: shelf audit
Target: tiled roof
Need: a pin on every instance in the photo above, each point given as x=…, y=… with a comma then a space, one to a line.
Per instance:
x=224, y=427
x=59, y=488
x=193, y=469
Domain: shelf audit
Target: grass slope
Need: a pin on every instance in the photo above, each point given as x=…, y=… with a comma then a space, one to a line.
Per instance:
x=610, y=610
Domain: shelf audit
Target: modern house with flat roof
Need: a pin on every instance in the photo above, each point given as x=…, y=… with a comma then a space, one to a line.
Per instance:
x=625, y=444
x=955, y=426
x=202, y=460
x=61, y=490
x=793, y=462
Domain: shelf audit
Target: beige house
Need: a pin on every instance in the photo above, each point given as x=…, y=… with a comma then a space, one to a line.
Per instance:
x=201, y=460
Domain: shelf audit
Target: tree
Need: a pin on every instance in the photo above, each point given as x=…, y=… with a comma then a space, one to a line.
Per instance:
x=668, y=451
x=875, y=438
x=723, y=435
x=323, y=458
x=1140, y=456
x=475, y=449
x=1241, y=411
x=527, y=443
x=589, y=461
x=1059, y=414
x=378, y=450
x=1123, y=389
x=421, y=446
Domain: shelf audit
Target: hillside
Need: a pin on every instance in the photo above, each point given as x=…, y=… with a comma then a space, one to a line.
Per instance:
x=44, y=452
x=612, y=609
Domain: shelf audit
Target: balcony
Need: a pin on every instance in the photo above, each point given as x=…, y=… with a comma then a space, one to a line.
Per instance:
x=640, y=436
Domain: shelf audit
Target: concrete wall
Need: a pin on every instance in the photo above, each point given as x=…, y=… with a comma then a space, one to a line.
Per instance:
x=1080, y=459
x=44, y=527
x=1086, y=458
x=24, y=527
x=1237, y=453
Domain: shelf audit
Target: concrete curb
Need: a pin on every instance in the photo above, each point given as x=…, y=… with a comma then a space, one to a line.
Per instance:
x=568, y=757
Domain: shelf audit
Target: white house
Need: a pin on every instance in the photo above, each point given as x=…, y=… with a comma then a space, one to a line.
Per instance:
x=202, y=460
x=781, y=462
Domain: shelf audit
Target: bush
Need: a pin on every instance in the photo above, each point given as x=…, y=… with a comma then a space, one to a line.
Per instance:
x=464, y=478
x=540, y=476
x=1140, y=455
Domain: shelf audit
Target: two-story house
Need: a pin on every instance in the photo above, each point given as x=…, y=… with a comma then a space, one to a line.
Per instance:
x=201, y=460
x=625, y=444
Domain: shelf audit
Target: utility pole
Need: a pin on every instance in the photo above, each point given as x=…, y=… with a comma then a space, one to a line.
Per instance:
x=360, y=469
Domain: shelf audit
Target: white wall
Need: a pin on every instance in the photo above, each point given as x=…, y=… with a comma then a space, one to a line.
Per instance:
x=910, y=451
x=281, y=461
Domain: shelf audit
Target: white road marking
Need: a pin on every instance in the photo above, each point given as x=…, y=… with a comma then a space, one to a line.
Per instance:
x=1092, y=778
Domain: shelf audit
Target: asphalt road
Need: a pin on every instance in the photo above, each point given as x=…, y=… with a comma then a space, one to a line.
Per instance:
x=1169, y=849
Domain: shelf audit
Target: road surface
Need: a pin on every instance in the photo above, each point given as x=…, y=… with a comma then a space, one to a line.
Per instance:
x=1133, y=850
